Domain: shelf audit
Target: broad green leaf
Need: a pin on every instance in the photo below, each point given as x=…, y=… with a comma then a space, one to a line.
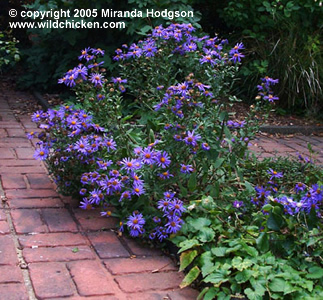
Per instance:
x=211, y=294
x=259, y=285
x=244, y=276
x=252, y=295
x=263, y=242
x=219, y=251
x=206, y=263
x=188, y=244
x=240, y=264
x=315, y=273
x=186, y=259
x=250, y=250
x=277, y=285
x=200, y=223
x=206, y=235
x=274, y=221
x=190, y=277
x=218, y=162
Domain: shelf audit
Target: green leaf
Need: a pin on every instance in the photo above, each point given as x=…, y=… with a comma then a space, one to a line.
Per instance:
x=250, y=250
x=219, y=251
x=206, y=235
x=188, y=244
x=192, y=182
x=190, y=277
x=186, y=259
x=200, y=223
x=244, y=276
x=218, y=162
x=211, y=294
x=75, y=250
x=277, y=285
x=274, y=221
x=315, y=273
x=263, y=242
x=252, y=295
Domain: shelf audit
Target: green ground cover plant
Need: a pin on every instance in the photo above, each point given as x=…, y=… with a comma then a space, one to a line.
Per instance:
x=155, y=146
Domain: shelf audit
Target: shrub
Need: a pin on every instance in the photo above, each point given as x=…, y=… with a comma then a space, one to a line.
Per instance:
x=9, y=53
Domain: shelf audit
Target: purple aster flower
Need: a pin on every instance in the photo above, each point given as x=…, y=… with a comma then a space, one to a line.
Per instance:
x=83, y=191
x=163, y=204
x=189, y=47
x=96, y=79
x=187, y=169
x=177, y=137
x=163, y=159
x=73, y=123
x=125, y=195
x=201, y=86
x=96, y=196
x=156, y=219
x=85, y=178
x=236, y=48
x=165, y=175
x=205, y=146
x=84, y=53
x=97, y=51
x=271, y=98
x=191, y=139
x=86, y=204
x=207, y=59
x=150, y=49
x=81, y=71
x=31, y=135
x=176, y=206
x=115, y=184
x=135, y=223
x=238, y=204
x=236, y=57
x=82, y=145
x=36, y=117
x=173, y=225
x=262, y=192
x=95, y=65
x=147, y=156
x=274, y=174
x=169, y=195
x=162, y=233
x=119, y=80
x=100, y=97
x=128, y=164
x=300, y=187
x=138, y=189
x=41, y=153
x=103, y=165
x=110, y=144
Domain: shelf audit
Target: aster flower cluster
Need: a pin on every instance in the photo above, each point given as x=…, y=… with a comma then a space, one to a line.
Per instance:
x=265, y=91
x=90, y=73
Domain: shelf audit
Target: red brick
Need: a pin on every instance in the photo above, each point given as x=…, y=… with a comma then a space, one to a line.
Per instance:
x=20, y=194
x=106, y=297
x=22, y=170
x=3, y=216
x=6, y=154
x=10, y=274
x=149, y=296
x=8, y=251
x=13, y=291
x=16, y=132
x=184, y=294
x=52, y=240
x=36, y=203
x=70, y=253
x=4, y=227
x=5, y=124
x=149, y=281
x=20, y=163
x=59, y=220
x=3, y=133
x=40, y=181
x=92, y=279
x=98, y=223
x=51, y=280
x=25, y=153
x=107, y=245
x=28, y=221
x=140, y=264
x=140, y=249
x=10, y=181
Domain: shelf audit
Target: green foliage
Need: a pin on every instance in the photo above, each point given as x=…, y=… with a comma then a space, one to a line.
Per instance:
x=52, y=49
x=9, y=53
x=282, y=38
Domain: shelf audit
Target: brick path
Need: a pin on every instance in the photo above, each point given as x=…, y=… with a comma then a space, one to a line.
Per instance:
x=51, y=250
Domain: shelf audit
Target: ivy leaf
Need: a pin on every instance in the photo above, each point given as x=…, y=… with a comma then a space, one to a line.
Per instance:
x=190, y=277
x=186, y=258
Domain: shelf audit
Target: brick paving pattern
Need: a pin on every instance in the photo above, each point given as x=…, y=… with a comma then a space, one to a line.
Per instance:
x=49, y=249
